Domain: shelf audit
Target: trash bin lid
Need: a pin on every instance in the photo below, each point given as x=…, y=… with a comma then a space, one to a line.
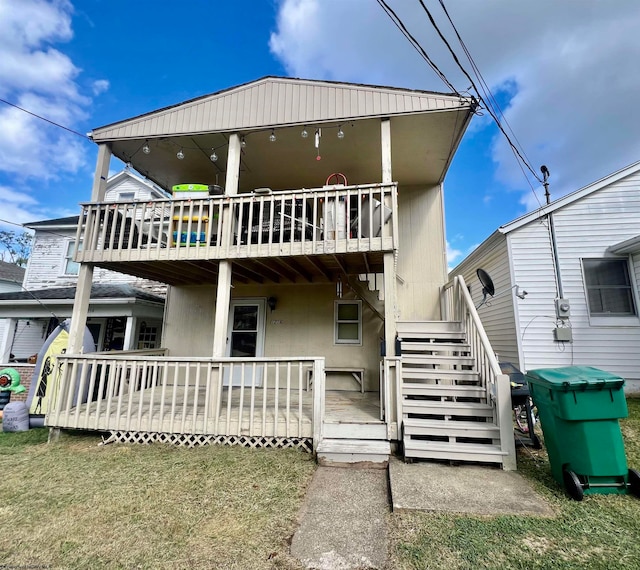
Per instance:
x=571, y=378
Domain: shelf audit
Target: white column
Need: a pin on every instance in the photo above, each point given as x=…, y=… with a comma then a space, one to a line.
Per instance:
x=223, y=295
x=6, y=342
x=129, y=342
x=385, y=138
x=85, y=273
x=390, y=304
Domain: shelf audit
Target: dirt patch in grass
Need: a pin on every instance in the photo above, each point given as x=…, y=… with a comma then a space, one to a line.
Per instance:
x=600, y=532
x=76, y=505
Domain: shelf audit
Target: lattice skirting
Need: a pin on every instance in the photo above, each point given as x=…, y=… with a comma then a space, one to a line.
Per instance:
x=193, y=440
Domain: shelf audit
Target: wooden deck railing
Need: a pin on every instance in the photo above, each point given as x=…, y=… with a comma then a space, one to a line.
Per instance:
x=457, y=305
x=258, y=397
x=301, y=222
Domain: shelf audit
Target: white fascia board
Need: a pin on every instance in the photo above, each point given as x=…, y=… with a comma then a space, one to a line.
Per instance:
x=570, y=198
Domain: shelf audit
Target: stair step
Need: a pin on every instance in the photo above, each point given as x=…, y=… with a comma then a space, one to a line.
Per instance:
x=353, y=451
x=443, y=359
x=431, y=408
x=443, y=390
x=445, y=330
x=438, y=374
x=447, y=428
x=453, y=451
x=420, y=346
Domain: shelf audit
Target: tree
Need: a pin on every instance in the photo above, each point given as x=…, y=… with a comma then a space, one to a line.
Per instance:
x=15, y=247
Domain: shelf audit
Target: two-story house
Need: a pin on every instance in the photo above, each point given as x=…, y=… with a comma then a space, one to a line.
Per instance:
x=304, y=253
x=124, y=311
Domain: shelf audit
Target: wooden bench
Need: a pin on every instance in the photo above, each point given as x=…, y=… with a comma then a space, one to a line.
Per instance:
x=357, y=373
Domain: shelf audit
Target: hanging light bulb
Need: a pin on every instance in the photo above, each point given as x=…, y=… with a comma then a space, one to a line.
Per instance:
x=304, y=134
x=214, y=156
x=340, y=132
x=243, y=142
x=180, y=155
x=145, y=148
x=272, y=136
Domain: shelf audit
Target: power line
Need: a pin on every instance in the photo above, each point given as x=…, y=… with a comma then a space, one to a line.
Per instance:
x=45, y=119
x=400, y=25
x=490, y=110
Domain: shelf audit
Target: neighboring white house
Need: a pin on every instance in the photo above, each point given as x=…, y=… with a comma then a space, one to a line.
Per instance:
x=582, y=309
x=125, y=309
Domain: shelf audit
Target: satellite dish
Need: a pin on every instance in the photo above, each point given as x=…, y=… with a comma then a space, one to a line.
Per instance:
x=487, y=283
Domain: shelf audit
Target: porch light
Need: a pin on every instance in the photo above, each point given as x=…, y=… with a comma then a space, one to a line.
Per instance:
x=272, y=136
x=340, y=132
x=180, y=155
x=243, y=142
x=272, y=302
x=304, y=134
x=145, y=148
x=214, y=156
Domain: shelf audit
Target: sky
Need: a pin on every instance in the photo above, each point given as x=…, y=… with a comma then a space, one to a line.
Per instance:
x=564, y=73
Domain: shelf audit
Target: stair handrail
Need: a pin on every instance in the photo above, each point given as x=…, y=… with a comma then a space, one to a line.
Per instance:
x=496, y=383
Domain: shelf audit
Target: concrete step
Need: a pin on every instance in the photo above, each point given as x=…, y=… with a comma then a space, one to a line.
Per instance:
x=456, y=409
x=443, y=390
x=344, y=452
x=409, y=373
x=485, y=453
x=356, y=430
x=453, y=429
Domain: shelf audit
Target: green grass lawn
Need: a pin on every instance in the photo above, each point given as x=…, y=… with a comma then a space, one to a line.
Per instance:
x=603, y=531
x=75, y=504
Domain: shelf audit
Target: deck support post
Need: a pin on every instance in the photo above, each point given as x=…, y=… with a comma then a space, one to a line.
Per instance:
x=129, y=342
x=390, y=304
x=225, y=269
x=54, y=435
x=85, y=273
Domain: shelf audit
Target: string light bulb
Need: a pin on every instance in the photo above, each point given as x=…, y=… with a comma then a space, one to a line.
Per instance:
x=243, y=142
x=214, y=156
x=340, y=132
x=304, y=134
x=272, y=136
x=145, y=148
x=180, y=155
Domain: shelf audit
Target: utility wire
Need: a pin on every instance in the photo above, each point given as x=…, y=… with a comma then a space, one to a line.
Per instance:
x=473, y=84
x=400, y=25
x=45, y=119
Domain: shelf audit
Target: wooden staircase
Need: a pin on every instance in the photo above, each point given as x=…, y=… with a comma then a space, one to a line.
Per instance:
x=446, y=411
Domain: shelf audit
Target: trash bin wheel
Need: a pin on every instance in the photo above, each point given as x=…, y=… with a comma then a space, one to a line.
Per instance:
x=634, y=482
x=572, y=485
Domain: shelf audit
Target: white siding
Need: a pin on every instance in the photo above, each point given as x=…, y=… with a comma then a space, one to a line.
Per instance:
x=497, y=314
x=30, y=335
x=128, y=184
x=6, y=286
x=585, y=228
x=46, y=263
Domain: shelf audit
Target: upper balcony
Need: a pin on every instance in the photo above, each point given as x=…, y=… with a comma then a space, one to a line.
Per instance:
x=306, y=234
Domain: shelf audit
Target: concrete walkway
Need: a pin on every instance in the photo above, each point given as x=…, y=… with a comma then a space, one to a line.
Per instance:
x=343, y=520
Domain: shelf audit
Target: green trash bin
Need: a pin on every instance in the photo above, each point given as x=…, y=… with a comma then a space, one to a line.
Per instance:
x=579, y=408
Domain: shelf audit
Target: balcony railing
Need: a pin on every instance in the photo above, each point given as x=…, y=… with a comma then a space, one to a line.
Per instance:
x=248, y=398
x=329, y=220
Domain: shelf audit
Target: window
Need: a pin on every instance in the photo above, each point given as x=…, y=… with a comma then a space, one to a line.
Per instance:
x=70, y=266
x=126, y=196
x=608, y=285
x=348, y=322
x=147, y=336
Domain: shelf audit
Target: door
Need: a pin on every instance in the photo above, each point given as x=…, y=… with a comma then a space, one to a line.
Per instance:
x=245, y=338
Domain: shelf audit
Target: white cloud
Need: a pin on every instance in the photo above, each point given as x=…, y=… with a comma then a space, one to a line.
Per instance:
x=100, y=86
x=37, y=77
x=570, y=66
x=453, y=255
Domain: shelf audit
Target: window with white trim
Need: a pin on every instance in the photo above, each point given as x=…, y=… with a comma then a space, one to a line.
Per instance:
x=126, y=196
x=348, y=322
x=71, y=267
x=609, y=288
